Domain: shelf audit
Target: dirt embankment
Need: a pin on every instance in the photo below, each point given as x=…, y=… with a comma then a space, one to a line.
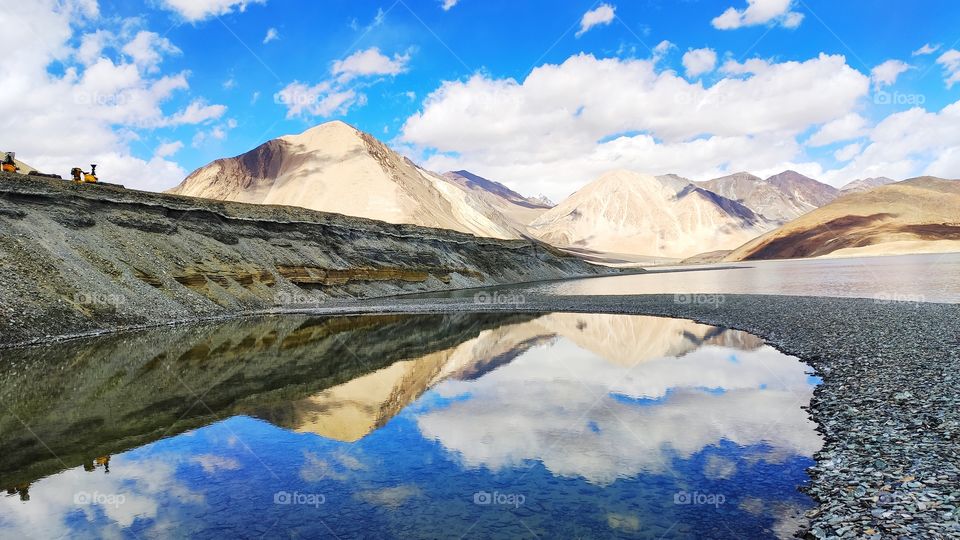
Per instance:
x=77, y=259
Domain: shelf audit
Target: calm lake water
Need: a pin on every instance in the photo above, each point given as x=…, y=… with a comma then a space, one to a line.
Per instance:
x=428, y=426
x=908, y=278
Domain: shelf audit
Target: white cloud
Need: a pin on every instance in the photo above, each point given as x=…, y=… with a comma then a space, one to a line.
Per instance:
x=887, y=73
x=760, y=12
x=92, y=45
x=272, y=35
x=845, y=128
x=566, y=124
x=323, y=99
x=147, y=50
x=699, y=61
x=198, y=10
x=662, y=49
x=950, y=61
x=447, y=5
x=168, y=149
x=91, y=108
x=927, y=49
x=217, y=132
x=197, y=112
x=336, y=96
x=748, y=67
x=602, y=15
x=848, y=152
x=369, y=62
x=907, y=144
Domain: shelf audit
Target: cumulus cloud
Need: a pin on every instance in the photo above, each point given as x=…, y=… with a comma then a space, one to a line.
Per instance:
x=950, y=61
x=699, y=61
x=323, y=99
x=887, y=73
x=927, y=49
x=337, y=95
x=197, y=112
x=198, y=10
x=168, y=149
x=447, y=5
x=369, y=62
x=907, y=144
x=96, y=106
x=848, y=152
x=601, y=16
x=147, y=50
x=759, y=12
x=565, y=124
x=272, y=35
x=845, y=128
x=662, y=49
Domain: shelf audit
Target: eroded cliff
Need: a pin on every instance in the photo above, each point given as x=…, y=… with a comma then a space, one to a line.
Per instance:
x=78, y=259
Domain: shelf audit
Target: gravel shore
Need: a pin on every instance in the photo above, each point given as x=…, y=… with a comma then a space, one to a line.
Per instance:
x=888, y=408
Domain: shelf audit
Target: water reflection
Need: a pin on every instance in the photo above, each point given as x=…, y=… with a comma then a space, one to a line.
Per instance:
x=408, y=426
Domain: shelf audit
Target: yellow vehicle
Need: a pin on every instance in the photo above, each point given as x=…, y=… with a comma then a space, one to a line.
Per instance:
x=9, y=164
x=81, y=177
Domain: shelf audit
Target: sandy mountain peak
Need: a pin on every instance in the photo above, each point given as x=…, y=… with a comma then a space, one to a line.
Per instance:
x=334, y=167
x=626, y=211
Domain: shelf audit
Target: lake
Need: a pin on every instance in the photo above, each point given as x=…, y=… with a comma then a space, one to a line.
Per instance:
x=408, y=426
x=906, y=278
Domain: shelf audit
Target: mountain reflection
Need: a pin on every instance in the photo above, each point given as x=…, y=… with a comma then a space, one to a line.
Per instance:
x=396, y=410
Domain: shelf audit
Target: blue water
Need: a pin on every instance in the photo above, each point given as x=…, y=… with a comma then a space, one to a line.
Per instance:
x=561, y=442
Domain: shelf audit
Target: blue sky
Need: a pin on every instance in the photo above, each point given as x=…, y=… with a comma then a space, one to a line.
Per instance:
x=450, y=87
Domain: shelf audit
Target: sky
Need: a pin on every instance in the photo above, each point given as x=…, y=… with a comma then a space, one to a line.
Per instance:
x=543, y=96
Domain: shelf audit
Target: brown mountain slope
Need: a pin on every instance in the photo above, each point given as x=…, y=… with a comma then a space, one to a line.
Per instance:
x=920, y=215
x=335, y=167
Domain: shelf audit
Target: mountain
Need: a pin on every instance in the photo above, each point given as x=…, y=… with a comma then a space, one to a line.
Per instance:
x=780, y=198
x=803, y=190
x=472, y=182
x=866, y=184
x=500, y=204
x=920, y=215
x=628, y=212
x=334, y=167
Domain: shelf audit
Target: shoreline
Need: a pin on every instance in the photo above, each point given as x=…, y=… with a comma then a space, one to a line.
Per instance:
x=887, y=408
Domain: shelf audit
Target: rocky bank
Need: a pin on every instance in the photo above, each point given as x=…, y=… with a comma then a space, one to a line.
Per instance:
x=89, y=258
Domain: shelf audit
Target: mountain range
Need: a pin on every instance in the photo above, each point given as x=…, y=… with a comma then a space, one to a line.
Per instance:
x=334, y=167
x=628, y=212
x=780, y=198
x=920, y=215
